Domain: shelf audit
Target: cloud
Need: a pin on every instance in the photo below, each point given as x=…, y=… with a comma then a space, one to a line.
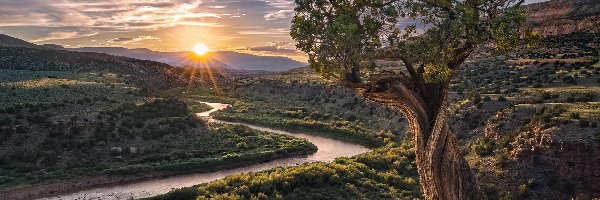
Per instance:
x=282, y=4
x=266, y=32
x=276, y=48
x=282, y=14
x=221, y=23
x=218, y=6
x=114, y=41
x=109, y=14
x=63, y=35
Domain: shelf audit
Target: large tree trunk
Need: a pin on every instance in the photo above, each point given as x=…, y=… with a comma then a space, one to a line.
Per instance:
x=444, y=173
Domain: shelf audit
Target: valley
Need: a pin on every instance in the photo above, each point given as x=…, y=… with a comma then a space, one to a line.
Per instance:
x=488, y=101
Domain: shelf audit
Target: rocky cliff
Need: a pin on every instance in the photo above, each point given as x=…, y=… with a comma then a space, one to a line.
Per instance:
x=559, y=17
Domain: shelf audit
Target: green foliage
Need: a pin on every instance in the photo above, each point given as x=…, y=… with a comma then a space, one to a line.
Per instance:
x=156, y=136
x=523, y=188
x=436, y=73
x=196, y=107
x=484, y=146
x=547, y=115
x=189, y=193
x=386, y=173
x=341, y=35
x=155, y=109
x=502, y=28
x=335, y=129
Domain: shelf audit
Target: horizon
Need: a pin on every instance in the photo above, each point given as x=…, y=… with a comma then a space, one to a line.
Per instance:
x=215, y=99
x=259, y=27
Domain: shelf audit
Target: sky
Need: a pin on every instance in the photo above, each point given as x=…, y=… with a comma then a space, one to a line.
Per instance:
x=252, y=26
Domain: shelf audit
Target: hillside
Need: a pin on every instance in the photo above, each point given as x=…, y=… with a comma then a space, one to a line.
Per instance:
x=8, y=41
x=218, y=59
x=559, y=17
x=20, y=55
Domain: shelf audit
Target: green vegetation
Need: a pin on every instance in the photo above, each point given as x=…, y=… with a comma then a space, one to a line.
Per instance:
x=303, y=107
x=63, y=93
x=63, y=125
x=386, y=173
x=300, y=119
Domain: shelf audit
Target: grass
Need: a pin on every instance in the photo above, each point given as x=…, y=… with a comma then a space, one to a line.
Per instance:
x=84, y=93
x=564, y=90
x=588, y=111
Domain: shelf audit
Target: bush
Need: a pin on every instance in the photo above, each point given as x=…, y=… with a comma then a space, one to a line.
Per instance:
x=6, y=121
x=36, y=119
x=484, y=146
x=574, y=115
x=501, y=98
x=584, y=123
x=189, y=193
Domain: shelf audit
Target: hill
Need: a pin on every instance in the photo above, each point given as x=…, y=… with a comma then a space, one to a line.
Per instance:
x=21, y=55
x=218, y=59
x=8, y=41
x=560, y=17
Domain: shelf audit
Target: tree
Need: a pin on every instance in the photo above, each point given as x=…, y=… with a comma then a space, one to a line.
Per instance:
x=344, y=38
x=339, y=38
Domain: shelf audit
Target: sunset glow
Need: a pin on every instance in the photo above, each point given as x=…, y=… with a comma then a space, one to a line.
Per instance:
x=259, y=27
x=200, y=49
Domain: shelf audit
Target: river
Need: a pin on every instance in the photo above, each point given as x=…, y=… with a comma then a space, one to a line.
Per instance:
x=328, y=150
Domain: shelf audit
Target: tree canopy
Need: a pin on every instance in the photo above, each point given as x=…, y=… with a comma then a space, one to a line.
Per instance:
x=342, y=37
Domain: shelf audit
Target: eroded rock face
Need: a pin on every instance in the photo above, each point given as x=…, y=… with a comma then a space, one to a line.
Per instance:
x=576, y=164
x=559, y=17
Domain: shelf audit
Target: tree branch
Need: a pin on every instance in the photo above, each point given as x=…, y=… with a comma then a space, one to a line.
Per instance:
x=416, y=77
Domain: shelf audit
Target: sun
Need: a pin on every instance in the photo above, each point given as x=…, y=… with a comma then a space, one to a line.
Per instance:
x=200, y=49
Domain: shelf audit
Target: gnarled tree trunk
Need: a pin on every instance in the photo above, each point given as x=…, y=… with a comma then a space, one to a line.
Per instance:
x=444, y=173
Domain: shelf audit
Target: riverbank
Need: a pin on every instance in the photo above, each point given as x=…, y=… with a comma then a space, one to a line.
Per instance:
x=328, y=150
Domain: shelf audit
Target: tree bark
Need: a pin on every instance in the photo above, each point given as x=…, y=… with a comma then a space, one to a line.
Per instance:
x=353, y=77
x=444, y=173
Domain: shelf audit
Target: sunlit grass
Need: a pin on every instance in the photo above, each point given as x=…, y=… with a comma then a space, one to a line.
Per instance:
x=563, y=90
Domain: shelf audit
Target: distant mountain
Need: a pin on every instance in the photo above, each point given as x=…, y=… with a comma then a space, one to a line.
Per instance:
x=219, y=59
x=53, y=46
x=301, y=70
x=20, y=55
x=254, y=62
x=560, y=17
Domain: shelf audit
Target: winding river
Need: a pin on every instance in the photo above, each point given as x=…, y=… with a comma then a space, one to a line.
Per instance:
x=328, y=150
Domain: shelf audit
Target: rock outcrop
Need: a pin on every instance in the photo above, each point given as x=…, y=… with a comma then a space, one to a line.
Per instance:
x=560, y=17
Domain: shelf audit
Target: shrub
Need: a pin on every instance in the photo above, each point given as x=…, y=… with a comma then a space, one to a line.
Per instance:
x=501, y=98
x=584, y=123
x=574, y=115
x=487, y=98
x=483, y=147
x=231, y=157
x=189, y=193
x=36, y=119
x=6, y=121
